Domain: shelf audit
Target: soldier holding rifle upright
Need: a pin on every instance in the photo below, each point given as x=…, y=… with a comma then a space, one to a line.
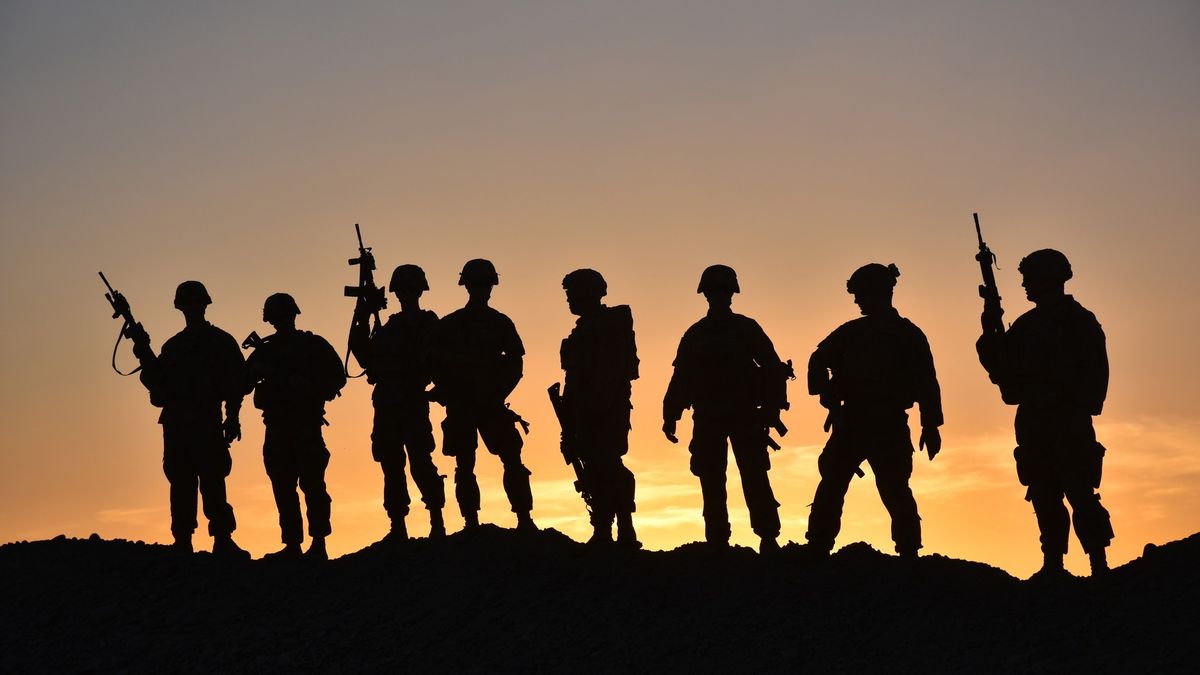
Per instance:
x=198, y=370
x=1053, y=365
x=397, y=357
x=600, y=360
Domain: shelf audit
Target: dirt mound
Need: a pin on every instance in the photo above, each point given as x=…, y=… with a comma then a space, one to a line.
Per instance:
x=502, y=601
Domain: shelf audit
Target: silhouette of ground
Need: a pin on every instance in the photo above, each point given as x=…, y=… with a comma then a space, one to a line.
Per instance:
x=503, y=601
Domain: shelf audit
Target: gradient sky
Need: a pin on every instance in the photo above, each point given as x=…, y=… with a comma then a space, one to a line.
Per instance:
x=238, y=143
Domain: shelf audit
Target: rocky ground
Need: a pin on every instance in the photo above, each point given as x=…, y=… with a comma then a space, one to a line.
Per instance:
x=499, y=601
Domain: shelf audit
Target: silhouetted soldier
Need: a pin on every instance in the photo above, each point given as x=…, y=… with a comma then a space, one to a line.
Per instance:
x=294, y=372
x=398, y=361
x=600, y=360
x=868, y=373
x=1053, y=365
x=199, y=368
x=478, y=362
x=727, y=371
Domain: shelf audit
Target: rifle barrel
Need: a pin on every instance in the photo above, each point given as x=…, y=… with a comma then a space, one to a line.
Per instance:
x=978, y=232
x=105, y=280
x=358, y=233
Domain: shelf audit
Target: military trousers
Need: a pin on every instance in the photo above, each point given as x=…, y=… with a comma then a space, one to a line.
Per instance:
x=601, y=440
x=1059, y=458
x=883, y=440
x=461, y=431
x=712, y=434
x=401, y=432
x=294, y=454
x=196, y=456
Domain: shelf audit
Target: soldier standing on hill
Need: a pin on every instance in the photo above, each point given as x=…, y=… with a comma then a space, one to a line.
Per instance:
x=600, y=360
x=398, y=361
x=868, y=373
x=727, y=371
x=294, y=373
x=478, y=363
x=1052, y=363
x=198, y=369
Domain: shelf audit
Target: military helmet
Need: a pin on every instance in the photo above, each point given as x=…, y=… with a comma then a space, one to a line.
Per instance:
x=873, y=277
x=1046, y=263
x=408, y=278
x=718, y=278
x=478, y=271
x=587, y=281
x=191, y=293
x=279, y=305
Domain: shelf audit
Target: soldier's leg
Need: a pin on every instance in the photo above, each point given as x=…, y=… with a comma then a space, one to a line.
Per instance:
x=1052, y=518
x=182, y=478
x=893, y=469
x=313, y=461
x=387, y=448
x=1093, y=524
x=709, y=460
x=836, y=466
x=280, y=459
x=753, y=461
x=460, y=439
x=418, y=440
x=215, y=463
x=502, y=439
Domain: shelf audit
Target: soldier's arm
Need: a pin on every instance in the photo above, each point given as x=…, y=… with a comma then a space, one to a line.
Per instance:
x=1092, y=379
x=512, y=361
x=153, y=377
x=929, y=392
x=236, y=376
x=360, y=343
x=778, y=372
x=629, y=344
x=679, y=392
x=819, y=365
x=328, y=366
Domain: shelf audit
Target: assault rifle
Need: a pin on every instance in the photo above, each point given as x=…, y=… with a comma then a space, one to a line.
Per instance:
x=992, y=316
x=130, y=328
x=371, y=298
x=567, y=445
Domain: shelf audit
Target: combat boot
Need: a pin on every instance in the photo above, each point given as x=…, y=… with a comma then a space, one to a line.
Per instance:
x=907, y=553
x=288, y=552
x=316, y=550
x=1052, y=569
x=525, y=522
x=768, y=546
x=813, y=552
x=601, y=534
x=437, y=526
x=225, y=547
x=1099, y=561
x=183, y=544
x=399, y=532
x=470, y=521
x=626, y=537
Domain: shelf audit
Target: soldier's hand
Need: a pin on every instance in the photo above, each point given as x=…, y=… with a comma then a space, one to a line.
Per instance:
x=232, y=429
x=931, y=440
x=669, y=430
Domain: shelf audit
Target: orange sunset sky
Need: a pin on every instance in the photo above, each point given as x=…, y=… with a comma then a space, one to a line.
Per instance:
x=238, y=143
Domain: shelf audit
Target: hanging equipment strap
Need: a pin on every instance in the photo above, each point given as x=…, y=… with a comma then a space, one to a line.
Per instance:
x=117, y=344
